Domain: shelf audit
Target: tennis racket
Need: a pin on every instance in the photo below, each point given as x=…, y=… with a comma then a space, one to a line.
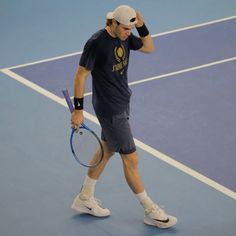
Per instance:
x=85, y=145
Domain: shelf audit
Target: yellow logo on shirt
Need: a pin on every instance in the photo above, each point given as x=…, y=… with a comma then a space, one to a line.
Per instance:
x=120, y=55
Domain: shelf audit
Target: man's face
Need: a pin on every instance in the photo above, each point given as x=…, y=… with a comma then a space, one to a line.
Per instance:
x=122, y=31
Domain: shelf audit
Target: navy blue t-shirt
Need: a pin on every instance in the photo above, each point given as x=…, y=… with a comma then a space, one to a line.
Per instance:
x=107, y=58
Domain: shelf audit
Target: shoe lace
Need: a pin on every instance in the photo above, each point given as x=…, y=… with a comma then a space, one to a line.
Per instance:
x=156, y=209
x=96, y=201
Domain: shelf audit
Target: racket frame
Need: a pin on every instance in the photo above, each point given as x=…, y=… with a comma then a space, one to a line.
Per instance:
x=82, y=126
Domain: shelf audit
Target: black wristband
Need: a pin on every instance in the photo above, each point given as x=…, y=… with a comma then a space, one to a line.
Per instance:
x=79, y=103
x=143, y=30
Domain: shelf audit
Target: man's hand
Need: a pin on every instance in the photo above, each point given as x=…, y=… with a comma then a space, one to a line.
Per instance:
x=139, y=19
x=77, y=117
x=148, y=45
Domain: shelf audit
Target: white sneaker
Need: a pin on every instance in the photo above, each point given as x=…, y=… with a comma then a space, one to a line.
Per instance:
x=90, y=206
x=157, y=217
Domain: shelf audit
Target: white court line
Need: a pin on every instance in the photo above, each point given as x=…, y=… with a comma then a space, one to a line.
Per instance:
x=154, y=35
x=44, y=60
x=195, y=26
x=43, y=91
x=183, y=71
x=186, y=169
x=139, y=144
x=176, y=72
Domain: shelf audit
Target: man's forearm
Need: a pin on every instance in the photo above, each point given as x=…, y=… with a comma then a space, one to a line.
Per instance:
x=148, y=45
x=79, y=82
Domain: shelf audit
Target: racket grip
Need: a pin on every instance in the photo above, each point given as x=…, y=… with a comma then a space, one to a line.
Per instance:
x=68, y=100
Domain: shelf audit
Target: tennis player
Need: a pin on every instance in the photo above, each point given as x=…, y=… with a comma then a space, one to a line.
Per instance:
x=106, y=57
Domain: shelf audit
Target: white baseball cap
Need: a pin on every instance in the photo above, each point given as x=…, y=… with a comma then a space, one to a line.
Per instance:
x=124, y=14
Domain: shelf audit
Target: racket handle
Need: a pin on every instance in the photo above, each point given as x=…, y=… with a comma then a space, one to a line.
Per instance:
x=68, y=100
x=71, y=107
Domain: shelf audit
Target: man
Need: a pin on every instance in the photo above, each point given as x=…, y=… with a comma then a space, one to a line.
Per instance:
x=106, y=57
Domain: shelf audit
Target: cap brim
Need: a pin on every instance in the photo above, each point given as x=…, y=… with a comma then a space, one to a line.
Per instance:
x=110, y=15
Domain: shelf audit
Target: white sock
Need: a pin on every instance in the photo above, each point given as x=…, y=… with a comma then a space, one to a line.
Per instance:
x=145, y=200
x=88, y=188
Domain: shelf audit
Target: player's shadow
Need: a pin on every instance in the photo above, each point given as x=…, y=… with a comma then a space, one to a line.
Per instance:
x=87, y=218
x=152, y=230
x=146, y=230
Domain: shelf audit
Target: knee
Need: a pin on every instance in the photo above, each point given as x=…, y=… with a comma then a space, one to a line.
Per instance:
x=130, y=161
x=108, y=153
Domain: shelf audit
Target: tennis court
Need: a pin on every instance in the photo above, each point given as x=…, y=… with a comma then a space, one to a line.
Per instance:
x=182, y=114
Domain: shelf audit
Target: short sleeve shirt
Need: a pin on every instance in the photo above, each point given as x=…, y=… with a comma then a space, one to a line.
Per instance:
x=107, y=58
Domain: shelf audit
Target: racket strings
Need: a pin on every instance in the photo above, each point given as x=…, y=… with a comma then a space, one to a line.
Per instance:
x=86, y=145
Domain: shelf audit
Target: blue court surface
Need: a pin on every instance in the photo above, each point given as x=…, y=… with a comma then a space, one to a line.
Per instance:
x=182, y=114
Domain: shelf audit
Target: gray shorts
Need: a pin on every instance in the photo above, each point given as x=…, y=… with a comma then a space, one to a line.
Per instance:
x=117, y=133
